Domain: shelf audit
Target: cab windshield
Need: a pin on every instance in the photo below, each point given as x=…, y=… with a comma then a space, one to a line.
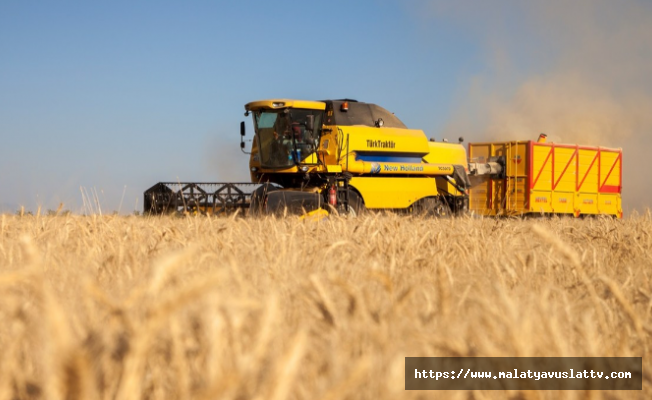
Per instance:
x=285, y=138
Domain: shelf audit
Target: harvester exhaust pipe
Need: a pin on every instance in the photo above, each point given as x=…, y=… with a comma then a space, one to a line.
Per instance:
x=542, y=138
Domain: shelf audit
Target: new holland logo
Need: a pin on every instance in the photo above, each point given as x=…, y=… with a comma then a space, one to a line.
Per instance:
x=375, y=168
x=516, y=159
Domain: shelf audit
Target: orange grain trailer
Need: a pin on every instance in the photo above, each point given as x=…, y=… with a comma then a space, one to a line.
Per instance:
x=547, y=178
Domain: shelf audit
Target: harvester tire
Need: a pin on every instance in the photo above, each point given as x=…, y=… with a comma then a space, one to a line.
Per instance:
x=258, y=199
x=356, y=204
x=432, y=207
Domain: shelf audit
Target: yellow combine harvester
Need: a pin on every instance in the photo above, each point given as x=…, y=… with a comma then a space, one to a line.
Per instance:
x=350, y=156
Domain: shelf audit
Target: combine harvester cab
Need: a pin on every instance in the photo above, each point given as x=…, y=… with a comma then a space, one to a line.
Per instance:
x=547, y=178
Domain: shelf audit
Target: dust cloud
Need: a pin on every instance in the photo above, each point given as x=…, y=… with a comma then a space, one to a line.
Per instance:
x=580, y=71
x=223, y=160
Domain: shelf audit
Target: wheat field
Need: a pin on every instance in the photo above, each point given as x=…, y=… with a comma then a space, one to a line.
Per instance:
x=117, y=307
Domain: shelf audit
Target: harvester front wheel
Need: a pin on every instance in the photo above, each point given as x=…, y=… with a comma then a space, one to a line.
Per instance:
x=259, y=199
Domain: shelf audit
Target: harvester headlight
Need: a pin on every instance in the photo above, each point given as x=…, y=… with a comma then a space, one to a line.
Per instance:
x=254, y=169
x=278, y=104
x=304, y=169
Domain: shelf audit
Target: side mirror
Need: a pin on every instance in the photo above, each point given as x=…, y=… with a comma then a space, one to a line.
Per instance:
x=242, y=135
x=310, y=122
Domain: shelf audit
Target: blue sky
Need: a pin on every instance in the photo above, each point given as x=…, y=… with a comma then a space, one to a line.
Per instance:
x=116, y=96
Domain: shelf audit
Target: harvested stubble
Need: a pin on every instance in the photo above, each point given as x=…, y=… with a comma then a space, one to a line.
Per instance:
x=202, y=308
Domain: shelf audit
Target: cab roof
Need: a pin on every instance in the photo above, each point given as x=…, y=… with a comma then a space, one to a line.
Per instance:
x=273, y=104
x=345, y=112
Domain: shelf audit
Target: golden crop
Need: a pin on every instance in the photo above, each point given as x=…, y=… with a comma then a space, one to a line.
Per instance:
x=232, y=308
